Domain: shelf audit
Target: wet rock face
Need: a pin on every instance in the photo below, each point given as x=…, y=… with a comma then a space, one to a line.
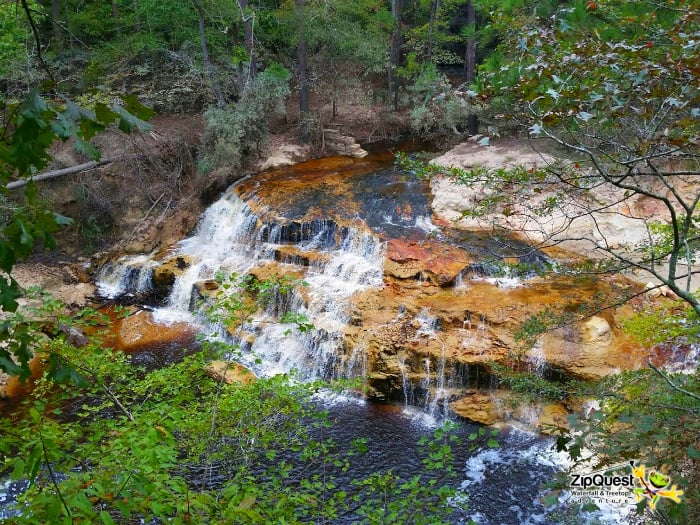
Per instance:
x=462, y=331
x=229, y=373
x=495, y=407
x=164, y=275
x=152, y=344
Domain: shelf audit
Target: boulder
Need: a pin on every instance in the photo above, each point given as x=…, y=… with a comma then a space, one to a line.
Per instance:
x=426, y=260
x=164, y=274
x=621, y=226
x=494, y=407
x=591, y=350
x=139, y=331
x=286, y=155
x=478, y=407
x=229, y=373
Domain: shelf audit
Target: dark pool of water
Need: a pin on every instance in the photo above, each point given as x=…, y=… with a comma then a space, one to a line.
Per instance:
x=503, y=485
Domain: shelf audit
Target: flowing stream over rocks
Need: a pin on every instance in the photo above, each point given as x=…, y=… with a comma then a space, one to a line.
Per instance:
x=417, y=310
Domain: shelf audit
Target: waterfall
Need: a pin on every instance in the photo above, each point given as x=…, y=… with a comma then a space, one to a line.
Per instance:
x=129, y=275
x=436, y=397
x=536, y=362
x=427, y=325
x=231, y=238
x=355, y=365
x=406, y=385
x=475, y=333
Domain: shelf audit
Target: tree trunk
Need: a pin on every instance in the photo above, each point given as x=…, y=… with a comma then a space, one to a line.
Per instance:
x=470, y=63
x=395, y=52
x=63, y=171
x=434, y=6
x=470, y=51
x=55, y=21
x=137, y=15
x=248, y=21
x=302, y=73
x=211, y=73
x=115, y=14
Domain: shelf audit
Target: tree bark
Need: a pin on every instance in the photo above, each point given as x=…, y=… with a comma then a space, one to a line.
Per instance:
x=211, y=72
x=248, y=21
x=115, y=15
x=302, y=74
x=59, y=173
x=470, y=51
x=56, y=23
x=434, y=6
x=470, y=63
x=395, y=52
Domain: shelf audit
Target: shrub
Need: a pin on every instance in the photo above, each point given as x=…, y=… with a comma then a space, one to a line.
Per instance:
x=233, y=133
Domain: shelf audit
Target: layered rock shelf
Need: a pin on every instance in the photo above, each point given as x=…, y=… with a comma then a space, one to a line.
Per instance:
x=340, y=144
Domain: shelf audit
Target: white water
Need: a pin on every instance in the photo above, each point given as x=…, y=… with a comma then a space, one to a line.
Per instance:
x=232, y=239
x=129, y=274
x=475, y=338
x=528, y=458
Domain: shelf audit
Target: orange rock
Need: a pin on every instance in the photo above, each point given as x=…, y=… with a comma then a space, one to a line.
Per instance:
x=229, y=373
x=436, y=262
x=140, y=330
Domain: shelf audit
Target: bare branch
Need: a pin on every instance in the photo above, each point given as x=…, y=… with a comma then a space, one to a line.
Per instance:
x=671, y=383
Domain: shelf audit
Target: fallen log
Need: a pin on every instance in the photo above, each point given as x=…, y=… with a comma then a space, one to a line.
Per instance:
x=86, y=166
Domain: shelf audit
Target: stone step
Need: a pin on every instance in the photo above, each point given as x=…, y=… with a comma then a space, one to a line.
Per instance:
x=341, y=139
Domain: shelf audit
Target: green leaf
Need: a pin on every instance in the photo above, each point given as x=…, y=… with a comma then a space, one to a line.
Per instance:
x=589, y=507
x=18, y=471
x=9, y=292
x=493, y=443
x=550, y=500
x=128, y=122
x=65, y=374
x=86, y=148
x=8, y=364
x=7, y=257
x=104, y=115
x=133, y=106
x=62, y=220
x=247, y=502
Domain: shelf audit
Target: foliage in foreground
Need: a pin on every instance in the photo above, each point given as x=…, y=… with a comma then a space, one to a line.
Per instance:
x=103, y=441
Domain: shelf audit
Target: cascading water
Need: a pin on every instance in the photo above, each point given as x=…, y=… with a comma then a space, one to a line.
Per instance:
x=406, y=384
x=131, y=275
x=232, y=239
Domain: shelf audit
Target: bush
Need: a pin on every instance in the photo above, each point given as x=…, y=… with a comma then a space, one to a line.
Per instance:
x=102, y=441
x=437, y=109
x=232, y=134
